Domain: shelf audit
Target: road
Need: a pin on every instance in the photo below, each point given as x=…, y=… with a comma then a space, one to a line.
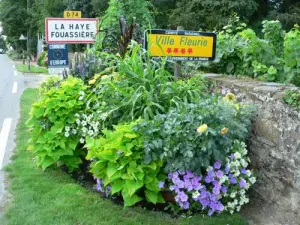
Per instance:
x=12, y=85
x=11, y=88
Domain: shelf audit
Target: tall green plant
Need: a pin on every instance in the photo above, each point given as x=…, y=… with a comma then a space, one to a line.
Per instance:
x=292, y=56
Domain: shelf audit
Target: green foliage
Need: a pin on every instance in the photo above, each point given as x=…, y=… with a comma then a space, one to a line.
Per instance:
x=14, y=55
x=138, y=9
x=41, y=58
x=210, y=15
x=292, y=56
x=292, y=98
x=141, y=88
x=49, y=83
x=50, y=118
x=118, y=160
x=273, y=58
x=274, y=35
x=174, y=137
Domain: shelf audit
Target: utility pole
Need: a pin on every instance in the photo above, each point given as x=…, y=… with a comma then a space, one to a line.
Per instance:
x=28, y=48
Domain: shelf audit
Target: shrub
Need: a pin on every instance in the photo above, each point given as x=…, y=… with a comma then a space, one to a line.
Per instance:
x=292, y=98
x=52, y=139
x=41, y=58
x=51, y=82
x=117, y=158
x=292, y=56
x=192, y=136
x=14, y=55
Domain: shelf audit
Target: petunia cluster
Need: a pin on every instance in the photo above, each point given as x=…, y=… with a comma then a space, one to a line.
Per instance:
x=222, y=187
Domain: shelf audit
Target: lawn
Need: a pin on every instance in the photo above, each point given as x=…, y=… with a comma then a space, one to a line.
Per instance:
x=52, y=197
x=33, y=69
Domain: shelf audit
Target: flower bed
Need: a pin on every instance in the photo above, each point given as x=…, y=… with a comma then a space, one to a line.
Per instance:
x=146, y=136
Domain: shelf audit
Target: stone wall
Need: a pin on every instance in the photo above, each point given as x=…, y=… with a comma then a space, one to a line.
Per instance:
x=274, y=144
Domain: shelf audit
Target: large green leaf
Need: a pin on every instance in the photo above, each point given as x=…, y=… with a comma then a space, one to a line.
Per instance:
x=151, y=196
x=117, y=186
x=132, y=186
x=112, y=168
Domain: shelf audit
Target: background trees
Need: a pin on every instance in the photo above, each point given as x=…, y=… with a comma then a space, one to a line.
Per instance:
x=165, y=14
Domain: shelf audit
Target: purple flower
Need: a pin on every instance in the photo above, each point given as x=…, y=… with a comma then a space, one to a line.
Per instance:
x=209, y=179
x=216, y=190
x=184, y=205
x=210, y=212
x=182, y=196
x=196, y=183
x=161, y=184
x=219, y=207
x=99, y=185
x=211, y=173
x=233, y=180
x=227, y=168
x=172, y=187
x=219, y=174
x=242, y=183
x=224, y=189
x=189, y=174
x=217, y=165
x=244, y=171
x=231, y=157
x=188, y=185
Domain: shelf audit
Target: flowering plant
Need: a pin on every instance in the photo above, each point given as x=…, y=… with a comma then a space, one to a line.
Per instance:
x=222, y=187
x=192, y=136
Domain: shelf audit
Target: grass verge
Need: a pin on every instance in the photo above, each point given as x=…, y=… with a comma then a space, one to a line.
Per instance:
x=33, y=69
x=52, y=197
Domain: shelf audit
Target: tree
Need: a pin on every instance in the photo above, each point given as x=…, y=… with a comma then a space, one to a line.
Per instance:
x=210, y=15
x=14, y=17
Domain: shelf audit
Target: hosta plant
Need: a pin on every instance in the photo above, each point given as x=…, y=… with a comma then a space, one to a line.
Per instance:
x=118, y=159
x=52, y=139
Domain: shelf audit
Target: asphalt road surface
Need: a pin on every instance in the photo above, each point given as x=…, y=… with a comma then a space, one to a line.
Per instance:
x=11, y=87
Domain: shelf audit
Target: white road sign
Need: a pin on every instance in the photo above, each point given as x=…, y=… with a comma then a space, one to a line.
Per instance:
x=73, y=31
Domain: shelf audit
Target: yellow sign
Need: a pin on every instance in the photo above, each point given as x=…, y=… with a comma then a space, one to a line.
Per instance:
x=181, y=45
x=72, y=14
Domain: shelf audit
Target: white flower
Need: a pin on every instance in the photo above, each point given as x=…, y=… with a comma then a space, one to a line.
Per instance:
x=83, y=123
x=247, y=186
x=81, y=98
x=233, y=194
x=67, y=128
x=196, y=194
x=244, y=163
x=231, y=211
x=67, y=134
x=84, y=129
x=74, y=131
x=91, y=132
x=81, y=93
x=78, y=121
x=77, y=115
x=209, y=168
x=252, y=180
x=223, y=179
x=238, y=208
x=81, y=140
x=248, y=172
x=237, y=155
x=242, y=192
x=237, y=173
